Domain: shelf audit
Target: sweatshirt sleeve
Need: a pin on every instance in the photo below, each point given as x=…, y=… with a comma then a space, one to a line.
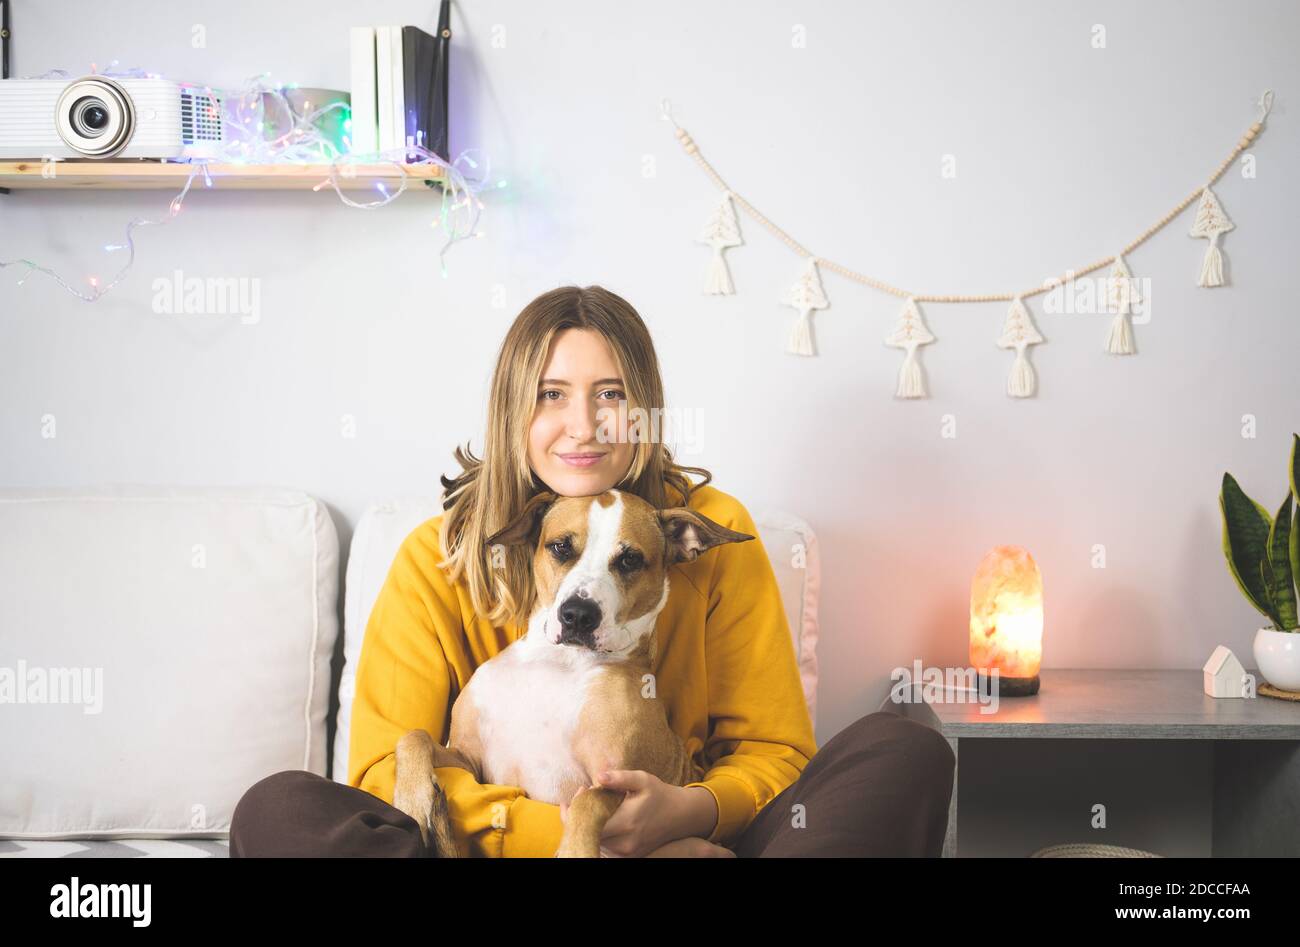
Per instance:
x=405, y=682
x=760, y=732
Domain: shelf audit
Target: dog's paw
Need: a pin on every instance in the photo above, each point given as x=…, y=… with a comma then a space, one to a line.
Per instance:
x=572, y=847
x=415, y=793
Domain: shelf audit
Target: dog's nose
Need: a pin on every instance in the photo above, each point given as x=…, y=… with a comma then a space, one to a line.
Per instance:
x=579, y=619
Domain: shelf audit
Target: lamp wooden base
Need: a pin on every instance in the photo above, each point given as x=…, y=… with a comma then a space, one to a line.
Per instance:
x=1009, y=686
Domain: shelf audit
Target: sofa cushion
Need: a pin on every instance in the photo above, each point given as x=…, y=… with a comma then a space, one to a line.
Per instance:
x=164, y=648
x=789, y=541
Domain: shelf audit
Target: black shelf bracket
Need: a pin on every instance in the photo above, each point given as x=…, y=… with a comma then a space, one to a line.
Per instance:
x=6, y=41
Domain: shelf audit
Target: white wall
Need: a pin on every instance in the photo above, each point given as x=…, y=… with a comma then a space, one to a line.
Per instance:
x=1064, y=154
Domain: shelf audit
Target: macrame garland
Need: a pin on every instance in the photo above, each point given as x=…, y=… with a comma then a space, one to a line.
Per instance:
x=720, y=231
x=1122, y=294
x=1210, y=222
x=1017, y=333
x=805, y=295
x=909, y=332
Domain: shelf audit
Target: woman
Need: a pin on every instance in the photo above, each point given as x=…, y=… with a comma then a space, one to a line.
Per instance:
x=575, y=368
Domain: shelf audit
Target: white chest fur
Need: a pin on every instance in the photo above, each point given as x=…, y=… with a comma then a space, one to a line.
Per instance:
x=527, y=700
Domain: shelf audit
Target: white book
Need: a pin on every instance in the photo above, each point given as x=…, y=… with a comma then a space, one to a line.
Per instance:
x=365, y=127
x=384, y=86
x=399, y=89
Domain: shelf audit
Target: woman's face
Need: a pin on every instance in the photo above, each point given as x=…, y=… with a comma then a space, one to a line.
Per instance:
x=578, y=412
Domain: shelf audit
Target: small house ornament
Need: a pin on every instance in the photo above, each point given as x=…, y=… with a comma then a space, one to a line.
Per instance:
x=1224, y=675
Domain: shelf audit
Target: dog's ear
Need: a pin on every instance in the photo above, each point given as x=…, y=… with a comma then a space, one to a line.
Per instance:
x=690, y=534
x=527, y=525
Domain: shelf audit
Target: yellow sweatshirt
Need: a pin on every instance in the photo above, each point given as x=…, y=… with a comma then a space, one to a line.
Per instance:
x=725, y=665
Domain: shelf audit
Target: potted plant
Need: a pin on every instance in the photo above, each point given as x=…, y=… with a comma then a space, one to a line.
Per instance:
x=1263, y=553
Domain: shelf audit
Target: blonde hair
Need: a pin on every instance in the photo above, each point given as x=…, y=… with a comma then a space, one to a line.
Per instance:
x=491, y=492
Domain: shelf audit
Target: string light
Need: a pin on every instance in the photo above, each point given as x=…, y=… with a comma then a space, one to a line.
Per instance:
x=129, y=246
x=303, y=143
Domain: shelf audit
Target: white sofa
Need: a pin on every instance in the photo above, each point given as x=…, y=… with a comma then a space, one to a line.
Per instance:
x=164, y=648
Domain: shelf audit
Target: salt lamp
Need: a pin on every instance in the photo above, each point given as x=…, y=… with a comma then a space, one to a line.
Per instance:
x=1006, y=620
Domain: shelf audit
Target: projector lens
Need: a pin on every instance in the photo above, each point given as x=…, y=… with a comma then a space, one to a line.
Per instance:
x=90, y=117
x=95, y=117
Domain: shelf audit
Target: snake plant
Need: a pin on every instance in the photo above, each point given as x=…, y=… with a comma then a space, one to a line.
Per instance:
x=1263, y=551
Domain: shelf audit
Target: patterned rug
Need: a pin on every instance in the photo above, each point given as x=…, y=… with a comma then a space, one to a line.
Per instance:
x=116, y=848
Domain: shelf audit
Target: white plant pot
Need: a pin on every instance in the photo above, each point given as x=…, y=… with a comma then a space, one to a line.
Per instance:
x=1277, y=655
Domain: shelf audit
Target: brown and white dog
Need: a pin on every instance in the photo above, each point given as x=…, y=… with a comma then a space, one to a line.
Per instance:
x=566, y=700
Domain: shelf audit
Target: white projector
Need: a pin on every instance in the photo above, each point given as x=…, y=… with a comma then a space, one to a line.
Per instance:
x=98, y=117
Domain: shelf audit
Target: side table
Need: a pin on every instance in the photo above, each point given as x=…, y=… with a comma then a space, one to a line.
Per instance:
x=1256, y=752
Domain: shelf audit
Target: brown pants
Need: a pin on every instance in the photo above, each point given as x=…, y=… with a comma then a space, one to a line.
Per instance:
x=879, y=787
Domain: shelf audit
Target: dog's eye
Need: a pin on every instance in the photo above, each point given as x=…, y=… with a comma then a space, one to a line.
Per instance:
x=561, y=549
x=630, y=561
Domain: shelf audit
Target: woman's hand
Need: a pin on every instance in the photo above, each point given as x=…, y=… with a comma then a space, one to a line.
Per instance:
x=652, y=816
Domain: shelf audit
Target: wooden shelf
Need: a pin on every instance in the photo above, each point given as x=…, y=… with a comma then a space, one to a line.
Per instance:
x=136, y=175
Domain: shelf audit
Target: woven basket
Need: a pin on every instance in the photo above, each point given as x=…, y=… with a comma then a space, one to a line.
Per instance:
x=1091, y=850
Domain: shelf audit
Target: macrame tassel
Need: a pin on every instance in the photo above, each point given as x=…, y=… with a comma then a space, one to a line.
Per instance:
x=909, y=332
x=805, y=296
x=1121, y=295
x=800, y=341
x=1120, y=341
x=1211, y=221
x=1212, y=265
x=1018, y=332
x=910, y=382
x=717, y=280
x=720, y=231
x=1021, y=382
